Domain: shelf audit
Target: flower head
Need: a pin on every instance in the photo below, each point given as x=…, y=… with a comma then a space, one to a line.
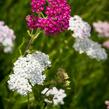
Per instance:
x=30, y=69
x=43, y=59
x=7, y=37
x=31, y=21
x=80, y=28
x=38, y=5
x=91, y=48
x=19, y=83
x=102, y=28
x=58, y=95
x=81, y=32
x=106, y=44
x=56, y=16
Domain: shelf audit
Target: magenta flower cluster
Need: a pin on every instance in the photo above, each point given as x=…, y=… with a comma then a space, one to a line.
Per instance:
x=38, y=5
x=56, y=16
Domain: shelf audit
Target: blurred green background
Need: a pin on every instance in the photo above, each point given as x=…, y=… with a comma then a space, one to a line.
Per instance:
x=89, y=78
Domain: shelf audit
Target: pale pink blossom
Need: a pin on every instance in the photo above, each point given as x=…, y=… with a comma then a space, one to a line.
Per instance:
x=7, y=37
x=102, y=28
x=106, y=44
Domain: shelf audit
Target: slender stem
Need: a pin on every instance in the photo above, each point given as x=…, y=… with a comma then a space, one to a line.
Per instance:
x=33, y=37
x=42, y=15
x=28, y=46
x=28, y=102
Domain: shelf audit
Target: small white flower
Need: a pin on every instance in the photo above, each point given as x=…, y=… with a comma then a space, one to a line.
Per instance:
x=58, y=95
x=42, y=58
x=7, y=37
x=91, y=48
x=19, y=84
x=47, y=101
x=80, y=28
x=44, y=91
x=30, y=69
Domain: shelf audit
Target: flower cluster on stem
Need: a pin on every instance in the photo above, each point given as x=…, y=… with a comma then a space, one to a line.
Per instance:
x=28, y=71
x=83, y=44
x=102, y=28
x=52, y=16
x=57, y=95
x=7, y=37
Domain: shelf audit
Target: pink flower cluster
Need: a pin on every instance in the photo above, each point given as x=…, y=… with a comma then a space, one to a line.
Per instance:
x=56, y=16
x=102, y=28
x=38, y=5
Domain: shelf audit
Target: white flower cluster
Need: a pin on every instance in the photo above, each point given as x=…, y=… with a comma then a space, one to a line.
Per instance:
x=91, y=48
x=81, y=32
x=7, y=37
x=57, y=95
x=19, y=83
x=28, y=71
x=80, y=28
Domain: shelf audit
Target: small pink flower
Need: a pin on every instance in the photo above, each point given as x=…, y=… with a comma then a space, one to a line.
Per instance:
x=31, y=21
x=102, y=28
x=106, y=44
x=7, y=37
x=38, y=5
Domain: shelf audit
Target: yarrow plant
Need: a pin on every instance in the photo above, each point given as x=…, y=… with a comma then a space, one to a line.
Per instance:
x=28, y=69
x=52, y=16
x=80, y=28
x=7, y=37
x=102, y=28
x=91, y=48
x=57, y=95
x=81, y=33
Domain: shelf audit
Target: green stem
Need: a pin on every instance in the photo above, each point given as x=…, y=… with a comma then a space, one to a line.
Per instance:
x=42, y=15
x=28, y=102
x=28, y=46
x=33, y=37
